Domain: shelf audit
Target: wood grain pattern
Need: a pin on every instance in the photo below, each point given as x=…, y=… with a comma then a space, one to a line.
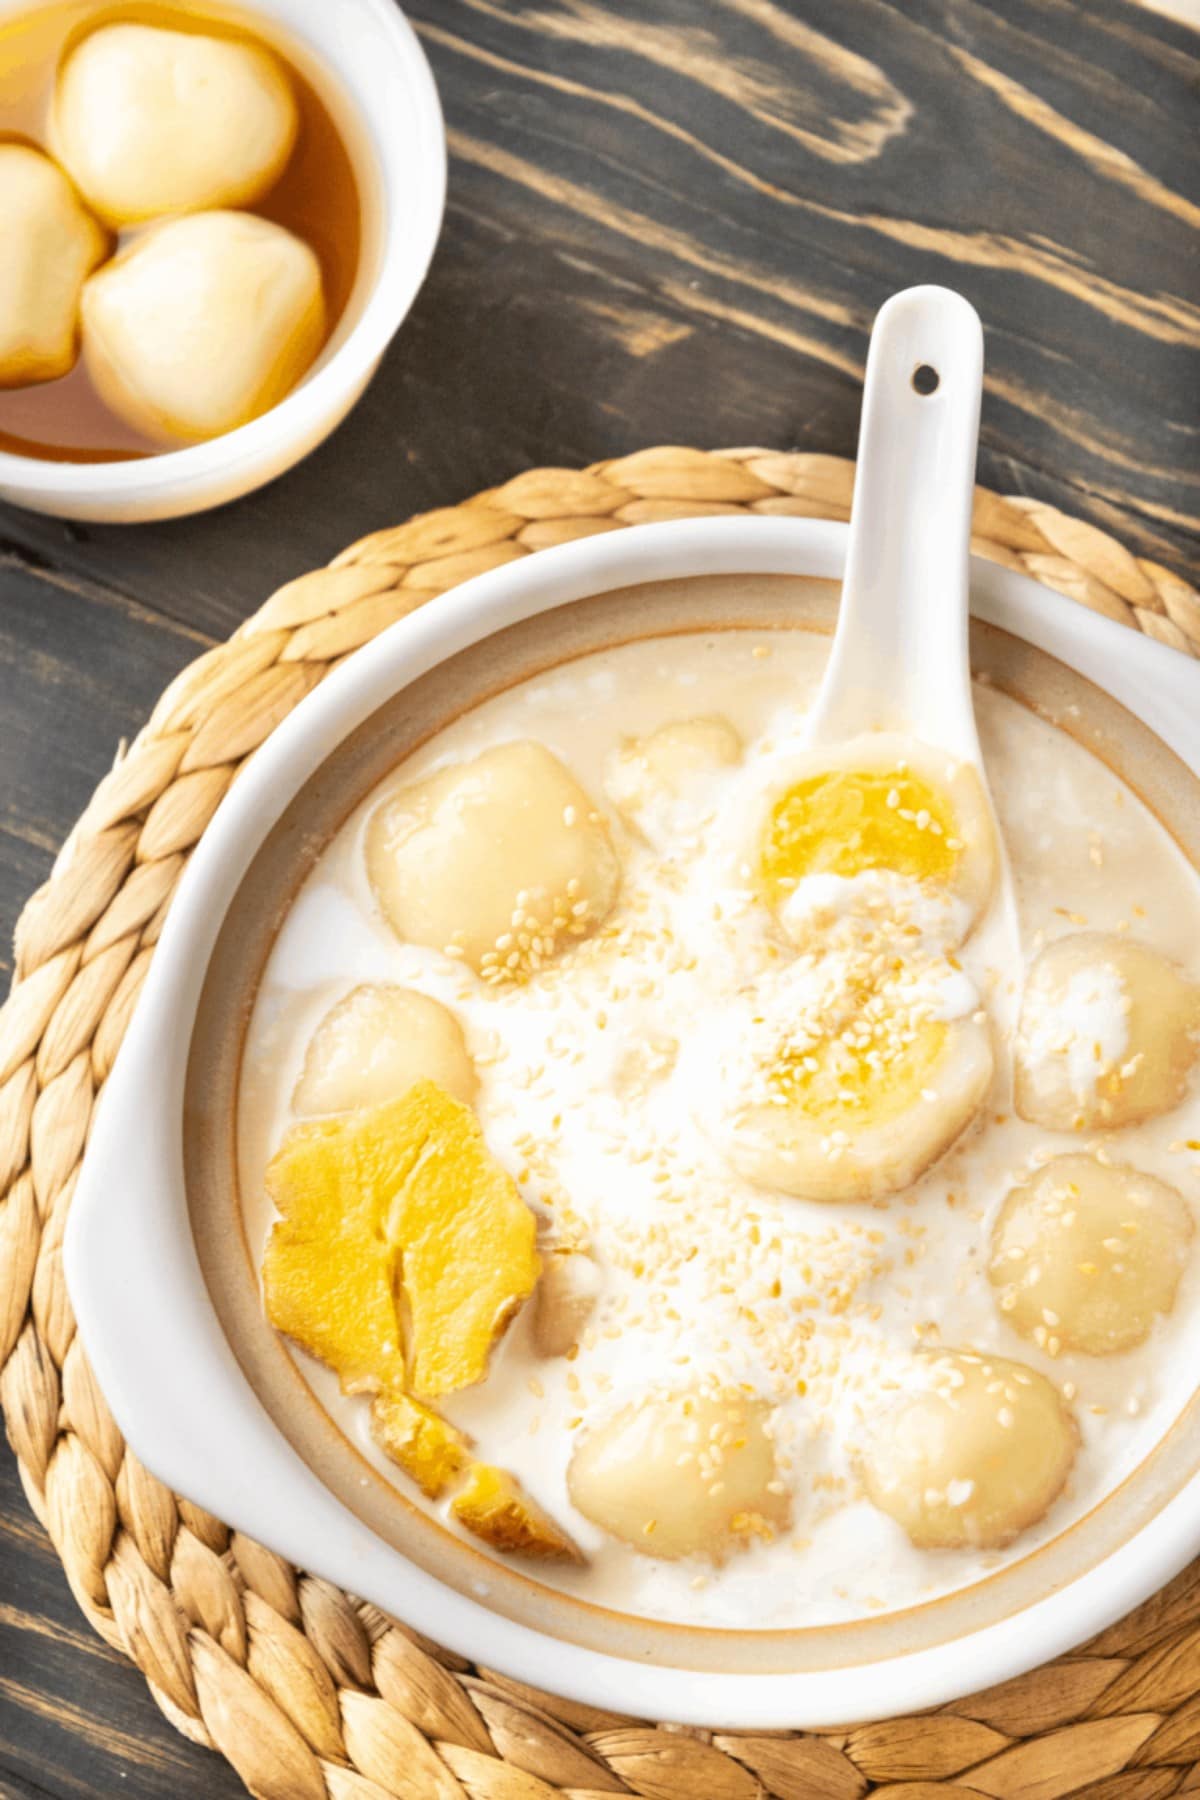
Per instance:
x=673, y=220
x=668, y=220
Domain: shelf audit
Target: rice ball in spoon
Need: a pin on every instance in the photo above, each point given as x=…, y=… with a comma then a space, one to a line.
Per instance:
x=202, y=324
x=150, y=121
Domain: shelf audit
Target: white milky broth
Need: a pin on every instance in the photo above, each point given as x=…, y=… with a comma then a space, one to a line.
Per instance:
x=596, y=1085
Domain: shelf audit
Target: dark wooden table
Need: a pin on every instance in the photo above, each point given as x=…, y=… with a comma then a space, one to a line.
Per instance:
x=669, y=221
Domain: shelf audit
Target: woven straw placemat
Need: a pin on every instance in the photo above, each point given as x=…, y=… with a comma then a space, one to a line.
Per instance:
x=309, y=1693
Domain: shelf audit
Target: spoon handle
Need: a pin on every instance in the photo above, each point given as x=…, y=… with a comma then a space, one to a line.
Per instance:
x=899, y=659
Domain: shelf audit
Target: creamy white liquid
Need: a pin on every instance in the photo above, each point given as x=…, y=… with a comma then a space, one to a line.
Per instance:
x=588, y=1084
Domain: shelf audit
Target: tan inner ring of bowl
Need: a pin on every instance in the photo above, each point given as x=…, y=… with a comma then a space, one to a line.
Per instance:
x=249, y=930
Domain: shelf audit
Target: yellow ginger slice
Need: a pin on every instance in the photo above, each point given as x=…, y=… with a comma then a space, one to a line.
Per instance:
x=425, y=1446
x=494, y=1507
x=467, y=1244
x=397, y=1200
x=398, y=1229
x=329, y=1273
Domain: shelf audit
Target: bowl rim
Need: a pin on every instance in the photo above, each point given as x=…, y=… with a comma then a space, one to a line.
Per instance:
x=169, y=1374
x=403, y=262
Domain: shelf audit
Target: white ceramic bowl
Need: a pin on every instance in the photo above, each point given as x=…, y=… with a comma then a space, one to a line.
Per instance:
x=179, y=1392
x=364, y=59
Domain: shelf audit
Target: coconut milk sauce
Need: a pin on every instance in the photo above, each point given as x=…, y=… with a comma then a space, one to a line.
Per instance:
x=589, y=1077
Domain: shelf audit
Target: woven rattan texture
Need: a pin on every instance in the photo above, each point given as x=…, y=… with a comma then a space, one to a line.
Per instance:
x=308, y=1692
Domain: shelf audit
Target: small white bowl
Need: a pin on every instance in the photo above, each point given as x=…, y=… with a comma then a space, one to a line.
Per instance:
x=178, y=1386
x=364, y=59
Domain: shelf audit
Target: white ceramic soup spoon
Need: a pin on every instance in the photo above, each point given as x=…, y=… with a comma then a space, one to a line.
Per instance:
x=900, y=660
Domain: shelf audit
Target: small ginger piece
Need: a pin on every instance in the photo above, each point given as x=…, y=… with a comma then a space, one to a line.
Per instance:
x=493, y=1506
x=400, y=1197
x=425, y=1446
